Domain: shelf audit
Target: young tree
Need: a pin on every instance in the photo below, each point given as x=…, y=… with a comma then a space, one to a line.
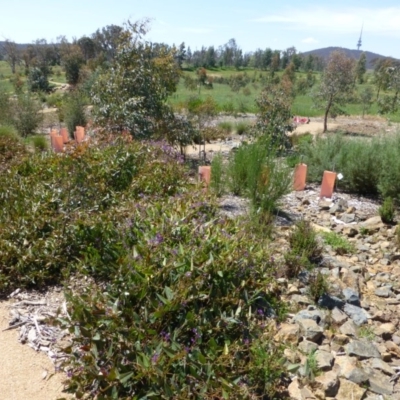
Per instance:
x=361, y=68
x=381, y=75
x=390, y=103
x=12, y=54
x=337, y=84
x=274, y=118
x=131, y=92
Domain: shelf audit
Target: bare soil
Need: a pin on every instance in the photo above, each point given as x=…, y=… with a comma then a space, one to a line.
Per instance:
x=25, y=373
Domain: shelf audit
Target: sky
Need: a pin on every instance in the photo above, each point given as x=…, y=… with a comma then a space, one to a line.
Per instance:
x=304, y=24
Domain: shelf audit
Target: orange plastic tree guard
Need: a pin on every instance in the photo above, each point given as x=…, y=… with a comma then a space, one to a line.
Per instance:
x=53, y=132
x=328, y=183
x=205, y=174
x=79, y=136
x=64, y=134
x=80, y=129
x=300, y=175
x=57, y=143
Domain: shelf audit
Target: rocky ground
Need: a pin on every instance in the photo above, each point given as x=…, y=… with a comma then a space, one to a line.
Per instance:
x=348, y=345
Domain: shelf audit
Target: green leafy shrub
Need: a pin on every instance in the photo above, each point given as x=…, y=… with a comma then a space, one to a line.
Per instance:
x=254, y=170
x=26, y=115
x=60, y=210
x=339, y=243
x=387, y=211
x=186, y=296
x=12, y=149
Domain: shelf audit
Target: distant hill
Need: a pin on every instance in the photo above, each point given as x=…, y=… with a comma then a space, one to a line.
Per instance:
x=324, y=53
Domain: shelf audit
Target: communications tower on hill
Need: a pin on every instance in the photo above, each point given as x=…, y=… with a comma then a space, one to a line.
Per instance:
x=359, y=43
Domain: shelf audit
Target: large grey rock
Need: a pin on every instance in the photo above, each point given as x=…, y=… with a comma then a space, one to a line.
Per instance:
x=378, y=382
x=362, y=350
x=381, y=365
x=357, y=314
x=310, y=329
x=351, y=296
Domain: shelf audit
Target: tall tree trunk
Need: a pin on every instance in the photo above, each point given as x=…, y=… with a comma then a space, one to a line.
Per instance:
x=328, y=107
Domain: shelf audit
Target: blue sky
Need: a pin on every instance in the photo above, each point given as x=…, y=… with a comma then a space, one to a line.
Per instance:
x=306, y=24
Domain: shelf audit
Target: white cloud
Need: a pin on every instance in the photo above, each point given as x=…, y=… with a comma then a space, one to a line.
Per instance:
x=384, y=21
x=310, y=40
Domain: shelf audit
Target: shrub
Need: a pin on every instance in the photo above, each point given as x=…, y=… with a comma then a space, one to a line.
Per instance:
x=242, y=128
x=254, y=170
x=38, y=81
x=40, y=143
x=303, y=241
x=26, y=115
x=387, y=211
x=226, y=127
x=217, y=175
x=74, y=112
x=12, y=149
x=339, y=243
x=318, y=286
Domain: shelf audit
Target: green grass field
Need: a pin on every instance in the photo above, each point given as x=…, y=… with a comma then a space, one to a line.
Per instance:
x=242, y=101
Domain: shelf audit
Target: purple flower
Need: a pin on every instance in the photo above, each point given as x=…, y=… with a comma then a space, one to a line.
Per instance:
x=155, y=358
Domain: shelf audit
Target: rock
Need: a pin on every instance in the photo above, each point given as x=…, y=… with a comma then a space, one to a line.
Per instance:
x=383, y=292
x=350, y=232
x=325, y=205
x=349, y=390
x=307, y=347
x=328, y=383
x=392, y=348
x=341, y=339
x=324, y=360
x=291, y=356
x=362, y=350
x=346, y=367
x=338, y=317
x=357, y=314
x=378, y=382
x=348, y=218
x=376, y=363
x=310, y=330
x=386, y=331
x=330, y=302
x=349, y=328
x=297, y=392
x=301, y=300
x=292, y=289
x=351, y=296
x=288, y=333
x=311, y=313
x=372, y=225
